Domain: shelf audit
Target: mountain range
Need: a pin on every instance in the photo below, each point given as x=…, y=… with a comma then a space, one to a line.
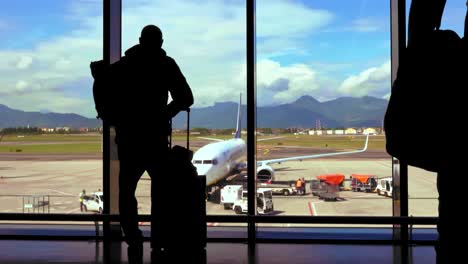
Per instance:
x=364, y=111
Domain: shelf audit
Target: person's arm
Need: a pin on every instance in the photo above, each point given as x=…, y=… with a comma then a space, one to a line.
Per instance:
x=182, y=97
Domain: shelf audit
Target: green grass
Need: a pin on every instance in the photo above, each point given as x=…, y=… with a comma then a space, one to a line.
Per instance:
x=53, y=148
x=51, y=138
x=92, y=143
x=333, y=142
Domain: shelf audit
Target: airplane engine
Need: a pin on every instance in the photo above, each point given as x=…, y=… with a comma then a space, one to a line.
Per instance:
x=265, y=173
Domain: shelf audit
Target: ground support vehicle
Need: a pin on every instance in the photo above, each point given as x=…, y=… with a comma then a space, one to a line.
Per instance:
x=280, y=188
x=363, y=182
x=230, y=194
x=385, y=187
x=94, y=202
x=327, y=187
x=264, y=202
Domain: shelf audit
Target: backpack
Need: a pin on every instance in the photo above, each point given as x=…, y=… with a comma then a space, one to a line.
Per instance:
x=424, y=97
x=105, y=79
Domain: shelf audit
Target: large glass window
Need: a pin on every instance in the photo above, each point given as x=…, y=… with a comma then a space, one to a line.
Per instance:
x=322, y=88
x=50, y=139
x=323, y=83
x=207, y=40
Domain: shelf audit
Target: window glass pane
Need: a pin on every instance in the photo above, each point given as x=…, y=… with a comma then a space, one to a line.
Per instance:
x=207, y=40
x=50, y=143
x=323, y=85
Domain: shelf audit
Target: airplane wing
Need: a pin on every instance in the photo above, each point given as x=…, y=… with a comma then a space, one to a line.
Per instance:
x=264, y=139
x=265, y=162
x=212, y=139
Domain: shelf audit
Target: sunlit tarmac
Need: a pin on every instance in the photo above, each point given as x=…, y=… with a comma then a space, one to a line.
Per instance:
x=64, y=180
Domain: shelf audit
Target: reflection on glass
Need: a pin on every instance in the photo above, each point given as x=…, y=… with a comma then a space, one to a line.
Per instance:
x=50, y=139
x=323, y=85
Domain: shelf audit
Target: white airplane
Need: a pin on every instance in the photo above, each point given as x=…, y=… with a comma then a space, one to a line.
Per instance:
x=223, y=158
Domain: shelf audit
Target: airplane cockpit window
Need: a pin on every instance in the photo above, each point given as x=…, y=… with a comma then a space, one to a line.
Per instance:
x=207, y=162
x=197, y=162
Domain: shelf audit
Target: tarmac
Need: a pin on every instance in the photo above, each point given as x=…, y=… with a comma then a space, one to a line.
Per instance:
x=61, y=181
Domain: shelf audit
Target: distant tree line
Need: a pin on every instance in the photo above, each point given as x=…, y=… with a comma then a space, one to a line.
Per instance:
x=38, y=131
x=21, y=130
x=230, y=131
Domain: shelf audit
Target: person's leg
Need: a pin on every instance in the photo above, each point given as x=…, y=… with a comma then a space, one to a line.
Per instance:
x=451, y=224
x=130, y=173
x=161, y=188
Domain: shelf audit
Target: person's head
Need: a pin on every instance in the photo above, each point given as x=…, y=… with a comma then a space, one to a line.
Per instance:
x=151, y=37
x=84, y=191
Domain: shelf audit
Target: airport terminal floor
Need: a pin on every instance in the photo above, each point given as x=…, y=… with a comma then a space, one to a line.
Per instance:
x=80, y=252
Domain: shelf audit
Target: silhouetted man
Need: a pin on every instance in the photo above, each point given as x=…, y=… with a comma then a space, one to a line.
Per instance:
x=145, y=75
x=432, y=76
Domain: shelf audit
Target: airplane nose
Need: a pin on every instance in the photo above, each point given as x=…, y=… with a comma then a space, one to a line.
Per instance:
x=202, y=169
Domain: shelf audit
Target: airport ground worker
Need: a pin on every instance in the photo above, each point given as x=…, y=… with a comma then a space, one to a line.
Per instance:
x=82, y=195
x=299, y=186
x=303, y=184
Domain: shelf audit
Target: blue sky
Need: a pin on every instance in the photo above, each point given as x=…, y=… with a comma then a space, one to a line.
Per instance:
x=321, y=48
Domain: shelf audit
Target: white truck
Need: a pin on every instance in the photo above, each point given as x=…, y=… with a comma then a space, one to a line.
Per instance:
x=280, y=188
x=94, y=202
x=230, y=194
x=264, y=202
x=385, y=187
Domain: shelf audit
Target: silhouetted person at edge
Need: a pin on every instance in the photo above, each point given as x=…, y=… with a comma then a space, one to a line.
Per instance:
x=146, y=75
x=434, y=69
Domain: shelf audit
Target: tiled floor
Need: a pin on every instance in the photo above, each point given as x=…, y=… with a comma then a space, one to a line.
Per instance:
x=80, y=252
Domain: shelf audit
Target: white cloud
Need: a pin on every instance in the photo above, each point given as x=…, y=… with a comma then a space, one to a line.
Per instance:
x=366, y=25
x=285, y=19
x=21, y=85
x=279, y=84
x=209, y=42
x=373, y=81
x=205, y=37
x=24, y=62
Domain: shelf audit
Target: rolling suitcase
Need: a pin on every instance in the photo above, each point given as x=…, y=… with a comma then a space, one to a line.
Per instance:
x=180, y=223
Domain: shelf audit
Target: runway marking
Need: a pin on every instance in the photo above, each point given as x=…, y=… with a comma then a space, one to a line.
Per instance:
x=312, y=209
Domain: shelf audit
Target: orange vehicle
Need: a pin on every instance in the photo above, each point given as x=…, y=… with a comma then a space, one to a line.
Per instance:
x=327, y=186
x=363, y=182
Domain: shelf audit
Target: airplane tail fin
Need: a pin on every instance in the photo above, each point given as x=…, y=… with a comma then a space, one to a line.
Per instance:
x=239, y=119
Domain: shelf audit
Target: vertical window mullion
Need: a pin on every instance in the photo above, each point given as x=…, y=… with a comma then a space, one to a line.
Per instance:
x=111, y=53
x=251, y=121
x=400, y=170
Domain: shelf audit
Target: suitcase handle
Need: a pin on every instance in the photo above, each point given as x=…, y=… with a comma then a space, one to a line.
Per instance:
x=188, y=129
